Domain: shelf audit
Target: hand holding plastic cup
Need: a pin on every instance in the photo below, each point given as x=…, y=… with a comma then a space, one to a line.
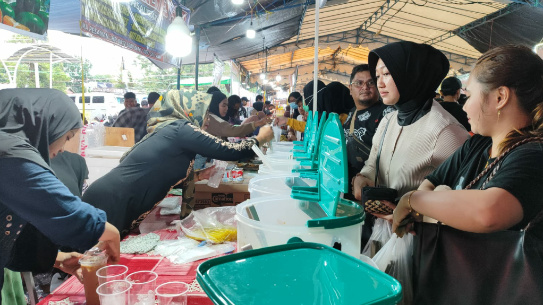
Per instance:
x=143, y=287
x=277, y=133
x=114, y=293
x=92, y=260
x=111, y=273
x=172, y=293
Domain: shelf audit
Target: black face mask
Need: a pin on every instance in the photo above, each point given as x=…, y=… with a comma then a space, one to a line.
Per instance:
x=417, y=70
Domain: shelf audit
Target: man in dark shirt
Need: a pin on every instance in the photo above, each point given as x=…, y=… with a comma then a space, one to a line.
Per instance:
x=152, y=98
x=243, y=113
x=450, y=90
x=136, y=118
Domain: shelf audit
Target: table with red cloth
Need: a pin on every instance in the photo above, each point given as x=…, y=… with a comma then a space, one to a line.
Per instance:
x=167, y=272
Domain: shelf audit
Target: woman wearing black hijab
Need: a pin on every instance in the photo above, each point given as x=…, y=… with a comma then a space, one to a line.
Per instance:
x=218, y=123
x=341, y=101
x=37, y=212
x=323, y=97
x=418, y=137
x=164, y=158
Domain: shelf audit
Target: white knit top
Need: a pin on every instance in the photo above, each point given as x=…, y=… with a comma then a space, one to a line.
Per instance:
x=412, y=152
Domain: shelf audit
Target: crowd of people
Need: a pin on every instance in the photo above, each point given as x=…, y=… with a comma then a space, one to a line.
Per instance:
x=474, y=166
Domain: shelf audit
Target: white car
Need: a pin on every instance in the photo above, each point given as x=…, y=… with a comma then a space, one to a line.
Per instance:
x=98, y=104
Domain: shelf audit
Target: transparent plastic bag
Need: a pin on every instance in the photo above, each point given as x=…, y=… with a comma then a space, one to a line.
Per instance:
x=216, y=225
x=381, y=233
x=396, y=260
x=217, y=173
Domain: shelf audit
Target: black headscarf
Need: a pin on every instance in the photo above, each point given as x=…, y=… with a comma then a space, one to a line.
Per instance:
x=417, y=70
x=322, y=95
x=341, y=100
x=32, y=119
x=258, y=106
x=232, y=101
x=217, y=98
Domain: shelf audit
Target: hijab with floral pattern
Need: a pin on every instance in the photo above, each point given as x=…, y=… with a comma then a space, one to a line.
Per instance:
x=189, y=105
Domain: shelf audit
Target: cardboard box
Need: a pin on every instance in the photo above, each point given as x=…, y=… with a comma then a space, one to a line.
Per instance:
x=227, y=194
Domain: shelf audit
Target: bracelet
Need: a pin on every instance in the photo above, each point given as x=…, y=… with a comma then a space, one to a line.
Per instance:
x=409, y=204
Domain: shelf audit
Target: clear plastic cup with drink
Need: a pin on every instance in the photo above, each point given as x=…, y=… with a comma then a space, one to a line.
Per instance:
x=91, y=261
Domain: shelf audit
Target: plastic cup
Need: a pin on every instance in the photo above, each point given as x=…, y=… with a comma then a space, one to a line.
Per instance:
x=277, y=133
x=111, y=273
x=114, y=293
x=143, y=287
x=217, y=173
x=90, y=263
x=172, y=293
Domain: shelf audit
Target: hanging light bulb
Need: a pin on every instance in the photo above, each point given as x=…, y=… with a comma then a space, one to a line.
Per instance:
x=278, y=78
x=250, y=32
x=178, y=40
x=237, y=2
x=262, y=75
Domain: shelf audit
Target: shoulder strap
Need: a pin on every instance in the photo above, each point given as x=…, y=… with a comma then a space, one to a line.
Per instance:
x=498, y=159
x=539, y=217
x=379, y=152
x=352, y=122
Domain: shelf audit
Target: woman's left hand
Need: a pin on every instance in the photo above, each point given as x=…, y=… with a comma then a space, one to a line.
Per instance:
x=69, y=263
x=402, y=214
x=386, y=217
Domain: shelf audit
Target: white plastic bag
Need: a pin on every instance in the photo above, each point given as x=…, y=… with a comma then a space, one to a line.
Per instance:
x=216, y=225
x=396, y=260
x=381, y=233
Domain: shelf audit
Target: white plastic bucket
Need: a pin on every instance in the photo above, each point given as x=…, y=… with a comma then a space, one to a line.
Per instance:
x=276, y=184
x=279, y=166
x=281, y=218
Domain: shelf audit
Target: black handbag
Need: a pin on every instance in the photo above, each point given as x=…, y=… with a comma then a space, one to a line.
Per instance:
x=451, y=266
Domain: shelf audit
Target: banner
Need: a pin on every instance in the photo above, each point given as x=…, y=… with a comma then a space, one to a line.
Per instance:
x=138, y=25
x=218, y=67
x=235, y=78
x=25, y=17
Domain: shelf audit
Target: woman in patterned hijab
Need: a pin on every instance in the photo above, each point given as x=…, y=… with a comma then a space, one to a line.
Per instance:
x=163, y=159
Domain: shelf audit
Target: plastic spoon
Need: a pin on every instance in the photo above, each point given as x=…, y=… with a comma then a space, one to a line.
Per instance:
x=262, y=157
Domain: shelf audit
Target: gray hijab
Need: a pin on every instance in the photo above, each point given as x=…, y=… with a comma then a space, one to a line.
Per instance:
x=32, y=119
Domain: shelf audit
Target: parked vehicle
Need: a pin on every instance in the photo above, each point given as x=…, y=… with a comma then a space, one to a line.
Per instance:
x=99, y=104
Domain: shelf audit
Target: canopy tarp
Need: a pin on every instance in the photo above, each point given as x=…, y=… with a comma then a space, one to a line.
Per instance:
x=462, y=29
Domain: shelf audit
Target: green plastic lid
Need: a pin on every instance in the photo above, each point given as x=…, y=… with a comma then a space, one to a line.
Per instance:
x=332, y=180
x=296, y=273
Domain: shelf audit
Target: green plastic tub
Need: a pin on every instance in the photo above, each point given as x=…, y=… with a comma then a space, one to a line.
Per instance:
x=295, y=273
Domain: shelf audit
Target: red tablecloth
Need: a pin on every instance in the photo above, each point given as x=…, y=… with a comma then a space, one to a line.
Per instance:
x=166, y=271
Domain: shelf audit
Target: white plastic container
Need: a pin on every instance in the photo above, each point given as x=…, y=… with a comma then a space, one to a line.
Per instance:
x=276, y=184
x=281, y=218
x=277, y=147
x=279, y=166
x=279, y=155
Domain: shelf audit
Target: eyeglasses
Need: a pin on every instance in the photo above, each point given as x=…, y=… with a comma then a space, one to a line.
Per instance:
x=360, y=84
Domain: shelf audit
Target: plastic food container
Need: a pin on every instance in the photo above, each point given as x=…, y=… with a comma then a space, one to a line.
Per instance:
x=271, y=221
x=296, y=273
x=279, y=166
x=276, y=184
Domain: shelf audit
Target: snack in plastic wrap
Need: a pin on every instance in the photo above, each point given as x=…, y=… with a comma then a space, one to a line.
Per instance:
x=215, y=224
